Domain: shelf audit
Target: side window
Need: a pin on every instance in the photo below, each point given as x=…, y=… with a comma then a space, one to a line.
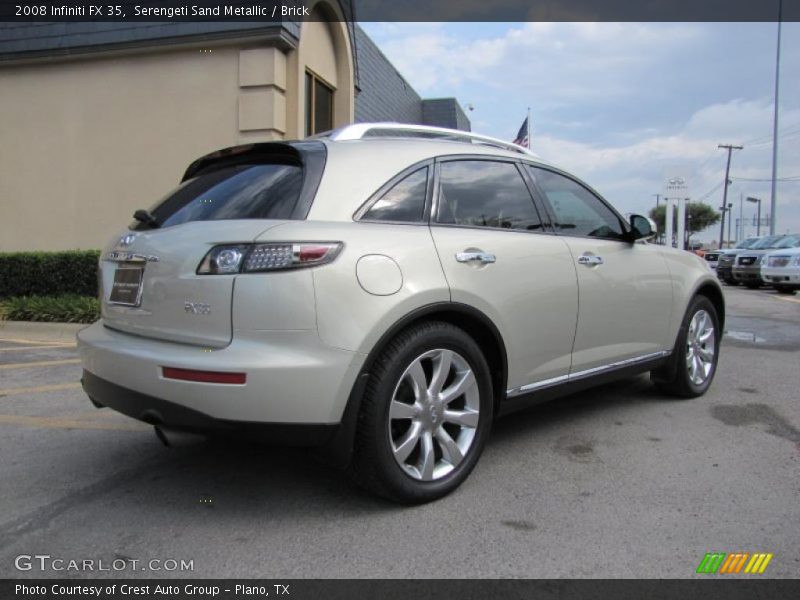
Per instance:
x=405, y=201
x=577, y=211
x=485, y=193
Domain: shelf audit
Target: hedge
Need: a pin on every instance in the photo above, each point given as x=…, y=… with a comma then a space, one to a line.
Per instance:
x=48, y=273
x=68, y=308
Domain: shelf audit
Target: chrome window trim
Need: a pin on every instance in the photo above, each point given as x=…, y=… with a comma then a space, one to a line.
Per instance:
x=546, y=383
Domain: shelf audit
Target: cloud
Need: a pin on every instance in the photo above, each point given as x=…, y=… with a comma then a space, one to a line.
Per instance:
x=616, y=103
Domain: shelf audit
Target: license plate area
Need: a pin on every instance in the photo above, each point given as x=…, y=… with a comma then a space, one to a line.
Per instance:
x=126, y=289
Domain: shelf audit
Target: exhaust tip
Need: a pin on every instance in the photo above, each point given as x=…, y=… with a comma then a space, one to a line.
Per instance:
x=176, y=439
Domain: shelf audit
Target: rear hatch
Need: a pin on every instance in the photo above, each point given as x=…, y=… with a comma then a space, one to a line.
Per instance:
x=149, y=281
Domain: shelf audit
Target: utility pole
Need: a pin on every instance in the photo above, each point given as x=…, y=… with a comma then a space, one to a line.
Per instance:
x=730, y=148
x=773, y=197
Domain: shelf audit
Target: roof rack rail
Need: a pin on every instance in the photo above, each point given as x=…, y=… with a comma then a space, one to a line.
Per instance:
x=358, y=131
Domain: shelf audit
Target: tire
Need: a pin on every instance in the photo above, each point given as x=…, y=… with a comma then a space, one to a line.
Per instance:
x=392, y=441
x=677, y=377
x=752, y=286
x=730, y=281
x=784, y=289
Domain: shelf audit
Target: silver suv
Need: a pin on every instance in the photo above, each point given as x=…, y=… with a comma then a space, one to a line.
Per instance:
x=384, y=292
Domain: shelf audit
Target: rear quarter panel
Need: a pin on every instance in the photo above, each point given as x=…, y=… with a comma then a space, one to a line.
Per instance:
x=349, y=316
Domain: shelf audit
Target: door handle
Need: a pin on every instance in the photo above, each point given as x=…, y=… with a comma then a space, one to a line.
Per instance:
x=479, y=257
x=590, y=260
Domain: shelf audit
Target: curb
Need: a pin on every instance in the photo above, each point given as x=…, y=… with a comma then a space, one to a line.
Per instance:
x=34, y=330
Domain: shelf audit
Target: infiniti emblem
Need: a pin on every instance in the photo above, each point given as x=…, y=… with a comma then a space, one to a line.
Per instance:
x=126, y=240
x=434, y=414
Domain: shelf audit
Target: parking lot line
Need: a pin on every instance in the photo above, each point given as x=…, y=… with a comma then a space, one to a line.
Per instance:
x=32, y=342
x=42, y=363
x=787, y=298
x=55, y=387
x=68, y=423
x=47, y=347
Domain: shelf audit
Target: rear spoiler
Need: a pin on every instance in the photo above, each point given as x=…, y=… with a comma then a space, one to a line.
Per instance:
x=310, y=155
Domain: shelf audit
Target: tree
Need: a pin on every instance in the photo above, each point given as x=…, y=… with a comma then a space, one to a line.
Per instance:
x=699, y=217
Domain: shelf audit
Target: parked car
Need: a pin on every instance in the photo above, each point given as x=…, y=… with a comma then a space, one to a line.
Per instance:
x=711, y=257
x=781, y=270
x=384, y=295
x=726, y=259
x=747, y=267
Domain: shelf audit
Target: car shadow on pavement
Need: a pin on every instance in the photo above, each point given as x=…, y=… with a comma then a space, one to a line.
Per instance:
x=231, y=480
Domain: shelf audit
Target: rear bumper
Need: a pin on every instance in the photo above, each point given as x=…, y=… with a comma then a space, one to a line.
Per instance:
x=156, y=411
x=292, y=378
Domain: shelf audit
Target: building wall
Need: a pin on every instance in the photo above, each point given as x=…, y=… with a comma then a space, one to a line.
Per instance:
x=85, y=143
x=444, y=112
x=383, y=94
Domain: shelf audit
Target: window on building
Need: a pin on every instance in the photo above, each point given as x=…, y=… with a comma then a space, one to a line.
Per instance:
x=577, y=210
x=404, y=202
x=319, y=105
x=485, y=194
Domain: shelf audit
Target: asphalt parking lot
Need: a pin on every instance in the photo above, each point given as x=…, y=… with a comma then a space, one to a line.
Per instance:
x=615, y=482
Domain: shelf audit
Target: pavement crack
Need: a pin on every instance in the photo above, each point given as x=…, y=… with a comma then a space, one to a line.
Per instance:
x=40, y=518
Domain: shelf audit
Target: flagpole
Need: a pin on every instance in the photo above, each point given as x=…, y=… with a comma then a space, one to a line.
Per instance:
x=528, y=121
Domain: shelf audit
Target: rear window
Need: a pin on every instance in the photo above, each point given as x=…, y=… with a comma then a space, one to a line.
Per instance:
x=245, y=191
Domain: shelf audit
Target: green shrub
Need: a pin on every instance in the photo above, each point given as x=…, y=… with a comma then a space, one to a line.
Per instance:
x=48, y=273
x=68, y=308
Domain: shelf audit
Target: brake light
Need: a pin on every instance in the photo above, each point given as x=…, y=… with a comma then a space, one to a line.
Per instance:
x=253, y=258
x=204, y=376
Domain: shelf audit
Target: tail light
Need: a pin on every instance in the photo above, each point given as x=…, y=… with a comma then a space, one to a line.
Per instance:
x=257, y=258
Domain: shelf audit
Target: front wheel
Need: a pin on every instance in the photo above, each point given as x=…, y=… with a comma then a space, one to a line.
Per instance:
x=694, y=358
x=425, y=415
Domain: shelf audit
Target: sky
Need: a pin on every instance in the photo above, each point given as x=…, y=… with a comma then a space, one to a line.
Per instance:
x=621, y=104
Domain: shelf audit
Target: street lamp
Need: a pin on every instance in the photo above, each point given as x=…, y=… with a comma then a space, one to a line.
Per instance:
x=758, y=223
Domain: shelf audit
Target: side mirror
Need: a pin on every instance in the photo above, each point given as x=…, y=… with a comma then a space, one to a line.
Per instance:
x=642, y=228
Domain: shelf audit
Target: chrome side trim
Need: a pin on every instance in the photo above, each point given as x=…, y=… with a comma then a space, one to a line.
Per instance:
x=546, y=383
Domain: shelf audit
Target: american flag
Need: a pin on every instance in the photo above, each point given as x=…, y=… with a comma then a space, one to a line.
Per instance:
x=522, y=135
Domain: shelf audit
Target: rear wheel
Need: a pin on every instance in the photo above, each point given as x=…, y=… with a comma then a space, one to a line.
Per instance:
x=425, y=415
x=784, y=289
x=694, y=358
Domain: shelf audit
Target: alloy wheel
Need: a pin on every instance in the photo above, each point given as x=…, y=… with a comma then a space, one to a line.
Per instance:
x=434, y=414
x=700, y=347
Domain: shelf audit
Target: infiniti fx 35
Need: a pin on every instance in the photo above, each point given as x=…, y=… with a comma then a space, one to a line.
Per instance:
x=383, y=293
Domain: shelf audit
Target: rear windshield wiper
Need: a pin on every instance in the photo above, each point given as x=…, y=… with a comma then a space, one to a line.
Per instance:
x=145, y=217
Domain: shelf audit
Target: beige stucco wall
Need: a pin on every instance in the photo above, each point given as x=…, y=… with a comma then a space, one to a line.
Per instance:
x=84, y=143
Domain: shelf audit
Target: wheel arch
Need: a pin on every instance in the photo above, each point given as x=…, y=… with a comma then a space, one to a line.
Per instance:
x=713, y=291
x=474, y=322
